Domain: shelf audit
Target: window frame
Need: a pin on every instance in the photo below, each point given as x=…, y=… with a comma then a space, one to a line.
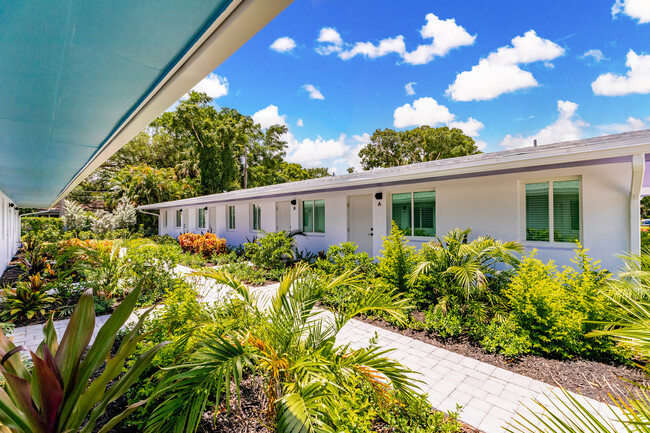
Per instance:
x=551, y=243
x=176, y=222
x=412, y=193
x=166, y=219
x=198, y=217
x=253, y=207
x=229, y=220
x=313, y=216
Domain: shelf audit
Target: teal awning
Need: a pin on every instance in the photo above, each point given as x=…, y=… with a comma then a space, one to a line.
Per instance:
x=72, y=71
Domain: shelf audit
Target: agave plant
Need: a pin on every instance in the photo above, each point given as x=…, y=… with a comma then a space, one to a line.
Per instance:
x=27, y=299
x=65, y=391
x=292, y=349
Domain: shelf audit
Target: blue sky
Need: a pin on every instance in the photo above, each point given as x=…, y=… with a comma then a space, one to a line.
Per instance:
x=505, y=72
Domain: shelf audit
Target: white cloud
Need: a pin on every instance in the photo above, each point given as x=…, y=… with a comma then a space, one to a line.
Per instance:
x=637, y=79
x=445, y=36
x=330, y=41
x=500, y=71
x=409, y=88
x=635, y=9
x=568, y=126
x=314, y=93
x=269, y=116
x=596, y=54
x=316, y=153
x=469, y=127
x=213, y=85
x=480, y=145
x=424, y=111
x=300, y=123
x=283, y=45
x=631, y=124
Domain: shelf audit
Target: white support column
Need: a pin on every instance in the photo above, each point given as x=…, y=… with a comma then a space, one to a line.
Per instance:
x=638, y=169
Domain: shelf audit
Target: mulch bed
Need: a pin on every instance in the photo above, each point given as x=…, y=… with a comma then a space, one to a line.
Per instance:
x=590, y=378
x=11, y=275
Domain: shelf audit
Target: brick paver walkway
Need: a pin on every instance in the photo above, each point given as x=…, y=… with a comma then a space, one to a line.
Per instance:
x=490, y=396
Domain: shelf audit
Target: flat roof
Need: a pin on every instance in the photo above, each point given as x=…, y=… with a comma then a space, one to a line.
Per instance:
x=609, y=148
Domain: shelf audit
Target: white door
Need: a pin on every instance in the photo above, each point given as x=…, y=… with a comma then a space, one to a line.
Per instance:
x=360, y=222
x=283, y=216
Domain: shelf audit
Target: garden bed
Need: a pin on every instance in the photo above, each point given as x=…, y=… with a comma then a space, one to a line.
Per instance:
x=589, y=378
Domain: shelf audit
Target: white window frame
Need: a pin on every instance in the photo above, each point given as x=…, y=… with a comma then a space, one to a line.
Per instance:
x=313, y=224
x=234, y=219
x=551, y=222
x=390, y=213
x=252, y=208
x=176, y=223
x=198, y=217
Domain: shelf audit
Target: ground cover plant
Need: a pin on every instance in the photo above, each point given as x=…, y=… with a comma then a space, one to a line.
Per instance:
x=206, y=245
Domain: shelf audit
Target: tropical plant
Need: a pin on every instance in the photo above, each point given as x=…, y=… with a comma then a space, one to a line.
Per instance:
x=66, y=391
x=292, y=350
x=75, y=218
x=124, y=213
x=398, y=259
x=102, y=223
x=205, y=244
x=28, y=299
x=344, y=257
x=33, y=261
x=273, y=250
x=103, y=267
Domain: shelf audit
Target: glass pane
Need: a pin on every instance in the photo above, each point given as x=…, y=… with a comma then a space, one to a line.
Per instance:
x=319, y=216
x=308, y=216
x=201, y=218
x=231, y=219
x=424, y=213
x=178, y=218
x=166, y=218
x=256, y=217
x=566, y=211
x=537, y=209
x=402, y=212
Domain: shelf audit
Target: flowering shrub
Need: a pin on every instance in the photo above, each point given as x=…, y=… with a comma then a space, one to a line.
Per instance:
x=90, y=243
x=206, y=245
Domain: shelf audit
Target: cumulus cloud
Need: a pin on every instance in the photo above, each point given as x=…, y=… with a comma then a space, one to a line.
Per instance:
x=635, y=9
x=314, y=93
x=500, y=71
x=424, y=111
x=300, y=123
x=316, y=153
x=596, y=54
x=269, y=116
x=568, y=126
x=409, y=88
x=445, y=35
x=283, y=45
x=631, y=124
x=213, y=85
x=427, y=111
x=637, y=79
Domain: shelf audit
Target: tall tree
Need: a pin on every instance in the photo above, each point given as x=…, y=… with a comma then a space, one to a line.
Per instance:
x=390, y=148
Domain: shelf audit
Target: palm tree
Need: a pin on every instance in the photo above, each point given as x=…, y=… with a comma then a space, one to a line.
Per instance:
x=292, y=349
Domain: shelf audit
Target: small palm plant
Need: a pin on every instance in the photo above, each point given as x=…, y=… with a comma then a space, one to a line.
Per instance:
x=102, y=266
x=292, y=348
x=26, y=300
x=66, y=391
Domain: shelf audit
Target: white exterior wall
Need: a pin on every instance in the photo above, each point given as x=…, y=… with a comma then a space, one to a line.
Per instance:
x=491, y=205
x=9, y=231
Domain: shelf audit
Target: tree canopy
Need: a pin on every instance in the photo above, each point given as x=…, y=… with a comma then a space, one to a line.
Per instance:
x=390, y=148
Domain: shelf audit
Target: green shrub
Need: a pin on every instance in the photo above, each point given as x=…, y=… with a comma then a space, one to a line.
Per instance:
x=274, y=250
x=503, y=337
x=552, y=307
x=252, y=275
x=344, y=257
x=447, y=324
x=397, y=261
x=27, y=300
x=42, y=229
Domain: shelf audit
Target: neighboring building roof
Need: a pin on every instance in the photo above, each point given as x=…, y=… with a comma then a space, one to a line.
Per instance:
x=79, y=79
x=610, y=148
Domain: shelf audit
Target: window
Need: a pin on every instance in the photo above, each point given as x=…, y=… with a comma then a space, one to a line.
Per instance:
x=231, y=217
x=179, y=217
x=257, y=217
x=415, y=213
x=553, y=211
x=313, y=216
x=165, y=219
x=201, y=218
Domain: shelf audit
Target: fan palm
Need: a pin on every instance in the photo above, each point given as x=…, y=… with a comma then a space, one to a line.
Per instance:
x=292, y=349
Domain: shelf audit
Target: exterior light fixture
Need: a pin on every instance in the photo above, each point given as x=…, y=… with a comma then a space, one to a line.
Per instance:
x=293, y=202
x=379, y=196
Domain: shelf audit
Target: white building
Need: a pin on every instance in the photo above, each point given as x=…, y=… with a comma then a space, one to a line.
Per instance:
x=545, y=196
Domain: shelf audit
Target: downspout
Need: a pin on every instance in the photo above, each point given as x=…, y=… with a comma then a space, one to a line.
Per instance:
x=148, y=213
x=638, y=169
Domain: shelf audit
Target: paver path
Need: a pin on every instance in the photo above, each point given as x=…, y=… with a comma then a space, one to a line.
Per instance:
x=490, y=396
